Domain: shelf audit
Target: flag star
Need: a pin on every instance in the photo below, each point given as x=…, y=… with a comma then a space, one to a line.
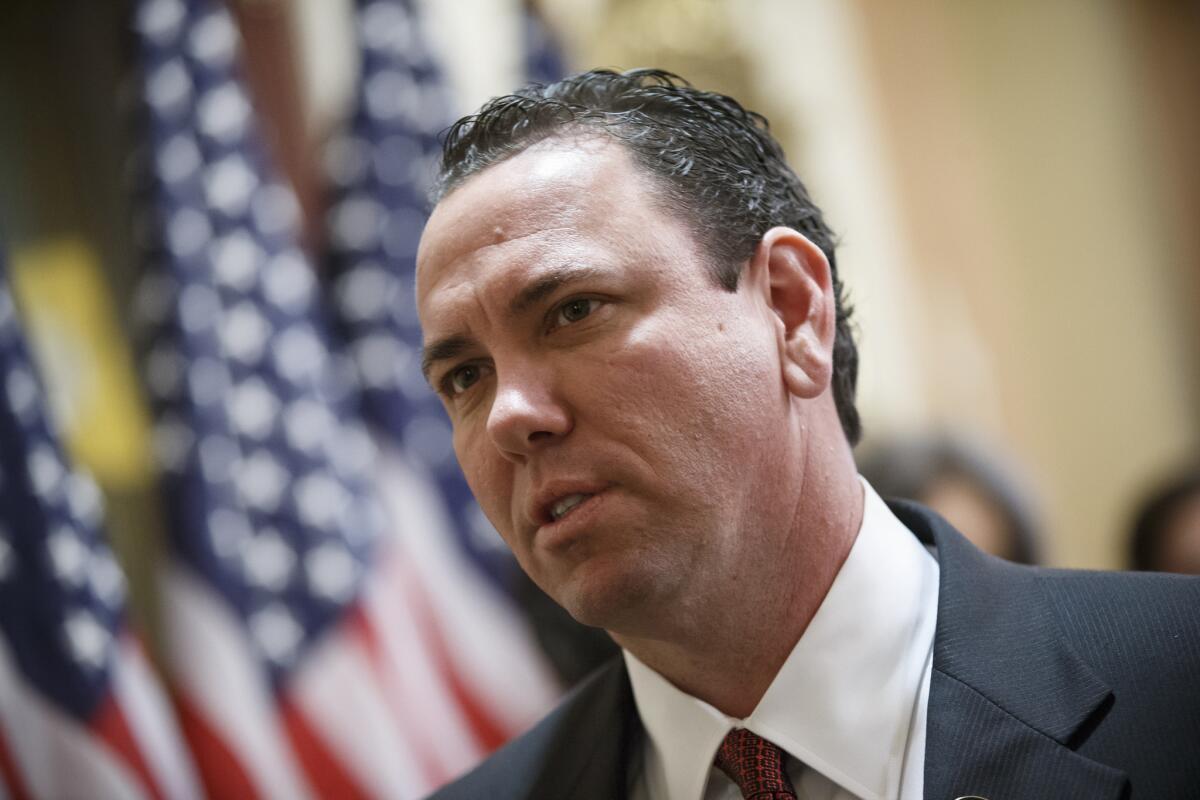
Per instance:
x=389, y=94
x=169, y=87
x=236, y=259
x=223, y=112
x=394, y=157
x=365, y=291
x=387, y=27
x=45, y=470
x=277, y=632
x=229, y=184
x=379, y=357
x=429, y=438
x=261, y=481
x=68, y=555
x=218, y=457
x=288, y=281
x=87, y=639
x=107, y=580
x=214, y=40
x=358, y=222
x=332, y=572
x=8, y=558
x=275, y=209
x=307, y=423
x=244, y=332
x=84, y=499
x=320, y=500
x=299, y=355
x=165, y=369
x=172, y=442
x=228, y=531
x=346, y=159
x=161, y=19
x=268, y=561
x=353, y=452
x=188, y=231
x=179, y=159
x=253, y=407
x=208, y=380
x=22, y=390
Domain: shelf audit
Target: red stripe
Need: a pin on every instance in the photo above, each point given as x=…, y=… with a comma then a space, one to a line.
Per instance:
x=110, y=725
x=488, y=730
x=220, y=770
x=422, y=746
x=14, y=784
x=325, y=772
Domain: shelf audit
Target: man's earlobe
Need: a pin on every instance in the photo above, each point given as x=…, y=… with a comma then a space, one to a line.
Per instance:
x=801, y=296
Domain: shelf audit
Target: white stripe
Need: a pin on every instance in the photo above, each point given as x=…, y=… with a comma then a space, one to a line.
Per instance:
x=140, y=696
x=55, y=754
x=491, y=645
x=338, y=692
x=413, y=681
x=208, y=651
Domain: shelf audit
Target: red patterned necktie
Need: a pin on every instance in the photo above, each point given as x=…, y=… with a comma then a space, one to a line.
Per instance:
x=755, y=765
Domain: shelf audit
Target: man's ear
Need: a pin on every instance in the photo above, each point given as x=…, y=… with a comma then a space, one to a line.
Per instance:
x=798, y=283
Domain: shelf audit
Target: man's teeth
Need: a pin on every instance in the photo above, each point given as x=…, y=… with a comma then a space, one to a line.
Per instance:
x=561, y=507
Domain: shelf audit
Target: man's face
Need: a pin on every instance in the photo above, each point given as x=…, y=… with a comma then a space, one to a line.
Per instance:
x=620, y=418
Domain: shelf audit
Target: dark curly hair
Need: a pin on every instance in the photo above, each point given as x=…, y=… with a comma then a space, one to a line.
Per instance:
x=716, y=163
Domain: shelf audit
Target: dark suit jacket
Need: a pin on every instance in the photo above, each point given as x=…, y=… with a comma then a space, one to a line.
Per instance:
x=1046, y=683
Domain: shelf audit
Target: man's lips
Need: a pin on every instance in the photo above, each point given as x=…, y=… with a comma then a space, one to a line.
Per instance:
x=562, y=496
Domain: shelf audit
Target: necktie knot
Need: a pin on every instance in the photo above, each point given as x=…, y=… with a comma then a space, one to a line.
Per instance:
x=755, y=765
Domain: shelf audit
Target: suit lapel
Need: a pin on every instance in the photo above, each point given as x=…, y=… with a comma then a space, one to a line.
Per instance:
x=598, y=737
x=1007, y=696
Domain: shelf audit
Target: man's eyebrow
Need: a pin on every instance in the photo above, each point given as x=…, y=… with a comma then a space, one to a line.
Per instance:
x=547, y=283
x=443, y=350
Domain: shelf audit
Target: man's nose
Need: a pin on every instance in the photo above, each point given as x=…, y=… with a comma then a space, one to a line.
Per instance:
x=526, y=415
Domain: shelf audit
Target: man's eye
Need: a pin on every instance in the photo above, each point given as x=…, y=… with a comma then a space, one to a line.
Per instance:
x=574, y=310
x=463, y=378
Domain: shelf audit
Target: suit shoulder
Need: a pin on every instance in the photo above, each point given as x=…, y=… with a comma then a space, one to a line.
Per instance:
x=1142, y=623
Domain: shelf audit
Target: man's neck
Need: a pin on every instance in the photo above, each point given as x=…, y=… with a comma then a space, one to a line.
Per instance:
x=727, y=654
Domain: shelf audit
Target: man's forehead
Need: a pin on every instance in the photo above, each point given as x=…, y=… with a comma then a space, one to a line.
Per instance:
x=550, y=192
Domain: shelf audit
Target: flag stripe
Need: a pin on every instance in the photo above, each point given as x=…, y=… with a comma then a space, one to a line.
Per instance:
x=110, y=724
x=326, y=773
x=222, y=773
x=13, y=781
x=488, y=730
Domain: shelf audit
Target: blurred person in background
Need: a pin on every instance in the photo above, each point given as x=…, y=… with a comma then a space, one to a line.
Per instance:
x=975, y=490
x=1165, y=534
x=631, y=311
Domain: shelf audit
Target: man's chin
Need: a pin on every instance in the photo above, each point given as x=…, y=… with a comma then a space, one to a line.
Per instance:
x=607, y=596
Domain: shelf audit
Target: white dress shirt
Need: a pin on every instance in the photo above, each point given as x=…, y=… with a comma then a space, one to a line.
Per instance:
x=847, y=706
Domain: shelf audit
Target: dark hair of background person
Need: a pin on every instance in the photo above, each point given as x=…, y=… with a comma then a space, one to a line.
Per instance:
x=1157, y=516
x=916, y=467
x=716, y=163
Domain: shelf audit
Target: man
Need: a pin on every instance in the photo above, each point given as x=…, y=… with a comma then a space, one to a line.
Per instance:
x=632, y=313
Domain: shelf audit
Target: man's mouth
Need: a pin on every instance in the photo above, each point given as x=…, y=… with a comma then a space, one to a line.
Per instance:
x=565, y=505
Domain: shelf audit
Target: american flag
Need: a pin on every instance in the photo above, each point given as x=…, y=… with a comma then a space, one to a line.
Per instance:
x=381, y=167
x=308, y=656
x=81, y=712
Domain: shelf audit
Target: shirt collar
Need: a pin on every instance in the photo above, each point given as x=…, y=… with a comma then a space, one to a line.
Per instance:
x=843, y=700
